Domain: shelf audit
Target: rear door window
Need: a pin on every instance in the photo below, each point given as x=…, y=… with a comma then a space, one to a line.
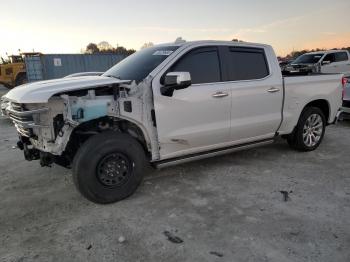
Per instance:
x=202, y=63
x=341, y=56
x=246, y=63
x=330, y=57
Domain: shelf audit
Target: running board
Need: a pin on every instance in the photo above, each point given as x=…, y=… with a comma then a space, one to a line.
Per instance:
x=212, y=153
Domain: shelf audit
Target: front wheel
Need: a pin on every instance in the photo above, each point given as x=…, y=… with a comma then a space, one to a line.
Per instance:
x=109, y=167
x=309, y=132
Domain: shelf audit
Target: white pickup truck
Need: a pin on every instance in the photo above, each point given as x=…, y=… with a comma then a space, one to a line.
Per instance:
x=325, y=62
x=165, y=105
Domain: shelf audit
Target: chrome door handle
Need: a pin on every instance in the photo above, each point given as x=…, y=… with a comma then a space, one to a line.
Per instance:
x=220, y=94
x=273, y=90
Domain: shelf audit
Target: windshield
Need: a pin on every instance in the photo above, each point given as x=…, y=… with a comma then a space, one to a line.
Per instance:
x=308, y=59
x=141, y=64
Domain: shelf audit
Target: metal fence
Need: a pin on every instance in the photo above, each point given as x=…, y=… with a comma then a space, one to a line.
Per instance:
x=44, y=67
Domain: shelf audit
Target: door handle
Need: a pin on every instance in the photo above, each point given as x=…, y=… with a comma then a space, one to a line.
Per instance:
x=219, y=94
x=273, y=90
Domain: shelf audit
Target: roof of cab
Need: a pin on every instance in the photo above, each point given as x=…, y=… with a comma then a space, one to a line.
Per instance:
x=219, y=42
x=325, y=52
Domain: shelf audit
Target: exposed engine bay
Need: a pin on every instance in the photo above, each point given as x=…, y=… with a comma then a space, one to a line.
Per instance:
x=54, y=131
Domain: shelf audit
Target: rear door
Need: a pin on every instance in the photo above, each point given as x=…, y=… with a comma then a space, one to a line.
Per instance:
x=257, y=94
x=339, y=63
x=342, y=62
x=196, y=118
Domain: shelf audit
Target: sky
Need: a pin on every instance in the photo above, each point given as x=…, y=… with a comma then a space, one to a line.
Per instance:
x=67, y=26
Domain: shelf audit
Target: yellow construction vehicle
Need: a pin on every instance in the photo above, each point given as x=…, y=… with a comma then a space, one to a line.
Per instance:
x=13, y=70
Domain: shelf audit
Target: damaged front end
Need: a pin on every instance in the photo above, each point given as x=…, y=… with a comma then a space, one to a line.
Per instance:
x=38, y=126
x=54, y=131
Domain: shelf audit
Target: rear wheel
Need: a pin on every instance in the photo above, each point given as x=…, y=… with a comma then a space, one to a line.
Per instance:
x=109, y=167
x=309, y=132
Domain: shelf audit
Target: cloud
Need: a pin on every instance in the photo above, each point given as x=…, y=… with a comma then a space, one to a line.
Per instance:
x=329, y=33
x=178, y=29
x=246, y=33
x=329, y=41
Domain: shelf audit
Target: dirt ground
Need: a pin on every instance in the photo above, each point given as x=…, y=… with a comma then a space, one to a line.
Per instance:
x=227, y=208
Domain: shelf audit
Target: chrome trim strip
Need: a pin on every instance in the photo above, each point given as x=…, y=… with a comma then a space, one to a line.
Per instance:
x=220, y=94
x=22, y=131
x=27, y=124
x=23, y=123
x=199, y=156
x=273, y=90
x=27, y=113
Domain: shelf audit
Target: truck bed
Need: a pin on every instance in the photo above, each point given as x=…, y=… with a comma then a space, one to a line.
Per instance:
x=300, y=90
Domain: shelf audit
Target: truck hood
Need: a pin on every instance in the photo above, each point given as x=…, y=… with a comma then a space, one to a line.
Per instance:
x=40, y=92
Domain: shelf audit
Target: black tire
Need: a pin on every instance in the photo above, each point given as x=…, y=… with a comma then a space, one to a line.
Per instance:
x=21, y=79
x=98, y=161
x=296, y=139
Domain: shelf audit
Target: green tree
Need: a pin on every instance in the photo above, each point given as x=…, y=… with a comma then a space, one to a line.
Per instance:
x=105, y=47
x=92, y=48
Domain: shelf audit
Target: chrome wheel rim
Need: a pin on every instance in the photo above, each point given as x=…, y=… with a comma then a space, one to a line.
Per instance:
x=313, y=129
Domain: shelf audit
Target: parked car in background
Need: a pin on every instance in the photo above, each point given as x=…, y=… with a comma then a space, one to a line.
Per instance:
x=284, y=63
x=332, y=61
x=166, y=105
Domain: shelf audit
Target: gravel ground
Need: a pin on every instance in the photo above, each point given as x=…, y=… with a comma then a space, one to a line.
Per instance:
x=227, y=208
x=3, y=90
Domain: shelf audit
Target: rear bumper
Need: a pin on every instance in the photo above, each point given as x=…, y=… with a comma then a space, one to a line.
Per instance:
x=345, y=110
x=344, y=113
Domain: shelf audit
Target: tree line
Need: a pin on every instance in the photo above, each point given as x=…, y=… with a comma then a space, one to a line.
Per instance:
x=106, y=48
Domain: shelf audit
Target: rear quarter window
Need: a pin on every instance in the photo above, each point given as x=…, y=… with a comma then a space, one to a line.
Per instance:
x=246, y=63
x=341, y=56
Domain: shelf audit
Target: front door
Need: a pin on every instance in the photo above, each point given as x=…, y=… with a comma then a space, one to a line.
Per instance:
x=196, y=118
x=332, y=66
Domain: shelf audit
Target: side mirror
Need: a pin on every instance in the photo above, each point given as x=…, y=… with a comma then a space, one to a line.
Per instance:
x=327, y=62
x=175, y=81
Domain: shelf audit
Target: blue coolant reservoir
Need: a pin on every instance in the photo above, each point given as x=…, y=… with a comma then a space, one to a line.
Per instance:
x=87, y=109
